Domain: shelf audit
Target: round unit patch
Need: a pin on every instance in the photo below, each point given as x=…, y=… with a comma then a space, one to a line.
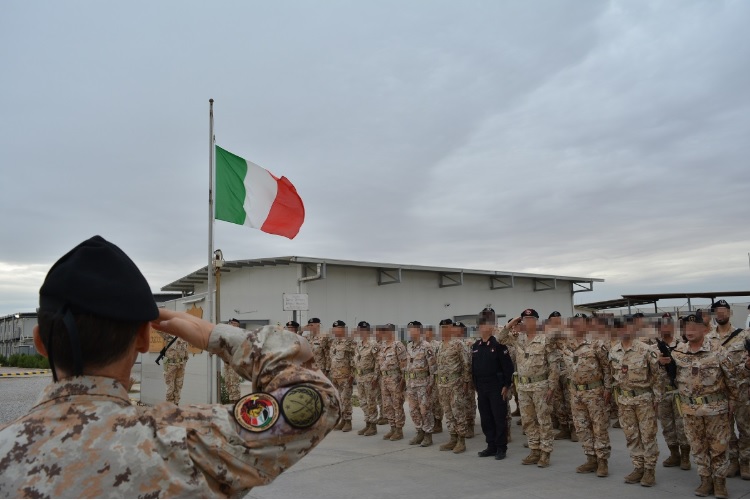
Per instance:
x=302, y=406
x=256, y=412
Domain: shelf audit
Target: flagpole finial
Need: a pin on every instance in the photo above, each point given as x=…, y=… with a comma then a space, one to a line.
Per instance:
x=211, y=101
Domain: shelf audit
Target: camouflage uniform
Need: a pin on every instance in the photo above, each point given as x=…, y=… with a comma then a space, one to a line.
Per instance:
x=174, y=361
x=537, y=373
x=704, y=381
x=589, y=372
x=471, y=396
x=392, y=364
x=341, y=365
x=420, y=383
x=320, y=345
x=561, y=396
x=453, y=377
x=437, y=408
x=232, y=381
x=163, y=451
x=635, y=371
x=739, y=449
x=368, y=379
x=672, y=426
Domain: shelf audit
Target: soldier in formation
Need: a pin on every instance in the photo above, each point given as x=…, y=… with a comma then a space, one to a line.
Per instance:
x=368, y=377
x=453, y=377
x=341, y=367
x=420, y=382
x=392, y=363
x=175, y=359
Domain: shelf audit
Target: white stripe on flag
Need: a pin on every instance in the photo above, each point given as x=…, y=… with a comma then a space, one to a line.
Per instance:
x=260, y=192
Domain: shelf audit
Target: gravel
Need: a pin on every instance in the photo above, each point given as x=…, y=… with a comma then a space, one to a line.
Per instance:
x=18, y=395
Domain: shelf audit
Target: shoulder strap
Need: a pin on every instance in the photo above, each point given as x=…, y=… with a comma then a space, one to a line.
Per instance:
x=733, y=335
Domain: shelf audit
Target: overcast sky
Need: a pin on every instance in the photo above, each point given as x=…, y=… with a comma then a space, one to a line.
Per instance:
x=582, y=138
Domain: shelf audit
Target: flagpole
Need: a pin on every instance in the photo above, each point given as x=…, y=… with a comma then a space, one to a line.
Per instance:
x=209, y=268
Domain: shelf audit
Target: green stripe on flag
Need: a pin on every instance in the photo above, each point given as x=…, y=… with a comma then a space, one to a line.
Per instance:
x=230, y=187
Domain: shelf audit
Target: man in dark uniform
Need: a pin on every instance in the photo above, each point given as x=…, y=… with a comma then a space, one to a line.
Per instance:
x=492, y=371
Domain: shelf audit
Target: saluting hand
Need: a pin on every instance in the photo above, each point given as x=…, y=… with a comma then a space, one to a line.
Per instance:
x=191, y=329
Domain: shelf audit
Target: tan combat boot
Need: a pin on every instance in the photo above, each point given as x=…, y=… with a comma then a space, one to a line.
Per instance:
x=543, y=460
x=602, y=468
x=382, y=420
x=734, y=468
x=685, y=457
x=390, y=433
x=372, y=430
x=532, y=458
x=564, y=432
x=460, y=445
x=450, y=444
x=745, y=469
x=427, y=441
x=674, y=459
x=649, y=478
x=720, y=487
x=706, y=487
x=589, y=466
x=418, y=438
x=635, y=476
x=366, y=428
x=398, y=434
x=438, y=427
x=347, y=427
x=339, y=425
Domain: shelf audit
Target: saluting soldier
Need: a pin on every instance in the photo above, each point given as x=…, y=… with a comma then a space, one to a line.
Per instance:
x=704, y=377
x=420, y=382
x=392, y=364
x=341, y=366
x=366, y=362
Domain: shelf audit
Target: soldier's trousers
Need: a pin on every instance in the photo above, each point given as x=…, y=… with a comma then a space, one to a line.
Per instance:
x=471, y=406
x=420, y=407
x=393, y=400
x=493, y=412
x=536, y=416
x=174, y=375
x=379, y=398
x=437, y=408
x=708, y=437
x=345, y=387
x=638, y=422
x=672, y=426
x=561, y=401
x=453, y=399
x=739, y=447
x=368, y=400
x=232, y=383
x=591, y=420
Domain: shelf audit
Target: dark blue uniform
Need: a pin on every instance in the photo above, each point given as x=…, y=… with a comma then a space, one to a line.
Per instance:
x=492, y=369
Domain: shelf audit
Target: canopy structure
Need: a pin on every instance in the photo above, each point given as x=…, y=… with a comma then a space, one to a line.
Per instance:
x=652, y=298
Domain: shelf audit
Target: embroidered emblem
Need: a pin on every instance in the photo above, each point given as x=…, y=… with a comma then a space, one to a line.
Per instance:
x=302, y=406
x=256, y=412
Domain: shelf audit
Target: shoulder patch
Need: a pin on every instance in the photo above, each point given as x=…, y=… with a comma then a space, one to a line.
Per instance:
x=256, y=412
x=302, y=406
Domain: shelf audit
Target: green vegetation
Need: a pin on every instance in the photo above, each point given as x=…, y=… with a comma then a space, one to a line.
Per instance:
x=25, y=361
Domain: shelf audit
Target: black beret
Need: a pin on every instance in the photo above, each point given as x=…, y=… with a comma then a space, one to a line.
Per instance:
x=414, y=323
x=233, y=320
x=363, y=324
x=338, y=323
x=97, y=278
x=313, y=321
x=555, y=314
x=580, y=315
x=292, y=324
x=720, y=303
x=529, y=312
x=639, y=315
x=459, y=324
x=444, y=322
x=694, y=318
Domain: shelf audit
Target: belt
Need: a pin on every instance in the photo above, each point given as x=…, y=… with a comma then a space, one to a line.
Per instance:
x=395, y=371
x=418, y=374
x=634, y=392
x=365, y=372
x=444, y=379
x=703, y=400
x=586, y=387
x=531, y=380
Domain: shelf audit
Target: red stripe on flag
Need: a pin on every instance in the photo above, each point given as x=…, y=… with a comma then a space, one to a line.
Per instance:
x=287, y=212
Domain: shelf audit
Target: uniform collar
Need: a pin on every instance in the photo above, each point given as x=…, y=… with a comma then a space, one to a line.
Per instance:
x=83, y=386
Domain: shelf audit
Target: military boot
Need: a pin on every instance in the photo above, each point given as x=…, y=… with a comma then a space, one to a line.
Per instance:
x=706, y=487
x=398, y=434
x=382, y=420
x=427, y=441
x=543, y=459
x=372, y=430
x=674, y=459
x=438, y=427
x=339, y=426
x=450, y=444
x=532, y=458
x=347, y=427
x=366, y=428
x=720, y=487
x=602, y=468
x=685, y=457
x=418, y=438
x=635, y=476
x=589, y=466
x=649, y=478
x=390, y=433
x=564, y=432
x=573, y=434
x=733, y=470
x=460, y=445
x=745, y=469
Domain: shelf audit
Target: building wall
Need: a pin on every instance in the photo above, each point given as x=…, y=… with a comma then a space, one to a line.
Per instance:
x=17, y=334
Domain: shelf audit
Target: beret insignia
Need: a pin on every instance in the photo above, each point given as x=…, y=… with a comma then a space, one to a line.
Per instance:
x=256, y=412
x=302, y=406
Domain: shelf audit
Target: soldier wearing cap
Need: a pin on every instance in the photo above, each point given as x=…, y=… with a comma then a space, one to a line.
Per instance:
x=420, y=382
x=84, y=439
x=670, y=418
x=471, y=406
x=368, y=377
x=453, y=374
x=537, y=373
x=292, y=326
x=320, y=343
x=635, y=371
x=342, y=369
x=706, y=384
x=437, y=409
x=392, y=363
x=554, y=329
x=175, y=359
x=232, y=379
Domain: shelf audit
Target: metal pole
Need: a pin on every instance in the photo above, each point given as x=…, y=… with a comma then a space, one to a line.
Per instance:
x=209, y=267
x=218, y=320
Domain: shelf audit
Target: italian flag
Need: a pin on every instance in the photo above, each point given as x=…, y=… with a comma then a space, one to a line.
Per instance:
x=250, y=195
